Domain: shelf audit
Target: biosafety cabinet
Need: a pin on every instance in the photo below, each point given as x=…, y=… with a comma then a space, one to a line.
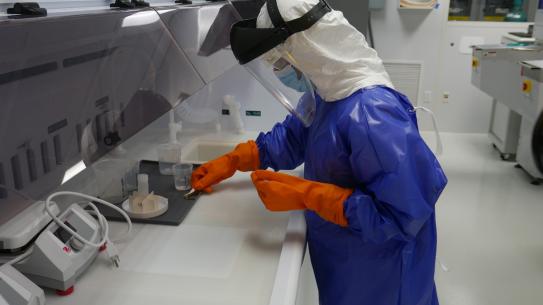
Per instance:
x=74, y=87
x=87, y=96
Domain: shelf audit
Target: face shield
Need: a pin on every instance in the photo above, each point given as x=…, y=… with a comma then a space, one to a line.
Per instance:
x=287, y=85
x=260, y=51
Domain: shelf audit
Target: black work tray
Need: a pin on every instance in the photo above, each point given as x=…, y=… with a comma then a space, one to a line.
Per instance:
x=178, y=206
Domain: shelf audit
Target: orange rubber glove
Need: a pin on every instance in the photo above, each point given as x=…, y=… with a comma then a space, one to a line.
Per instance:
x=281, y=192
x=243, y=158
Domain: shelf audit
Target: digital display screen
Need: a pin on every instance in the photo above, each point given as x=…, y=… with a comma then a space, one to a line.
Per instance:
x=540, y=6
x=64, y=235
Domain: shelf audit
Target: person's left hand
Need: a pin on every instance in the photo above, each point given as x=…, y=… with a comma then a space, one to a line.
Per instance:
x=280, y=192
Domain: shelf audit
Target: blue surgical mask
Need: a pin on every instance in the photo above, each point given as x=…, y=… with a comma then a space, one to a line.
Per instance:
x=289, y=77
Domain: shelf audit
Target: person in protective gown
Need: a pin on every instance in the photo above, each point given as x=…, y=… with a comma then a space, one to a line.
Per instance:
x=370, y=182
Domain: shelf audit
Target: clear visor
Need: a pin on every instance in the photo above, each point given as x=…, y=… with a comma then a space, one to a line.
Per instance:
x=287, y=85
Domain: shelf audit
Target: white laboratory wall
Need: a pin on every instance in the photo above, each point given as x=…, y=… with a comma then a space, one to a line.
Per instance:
x=428, y=37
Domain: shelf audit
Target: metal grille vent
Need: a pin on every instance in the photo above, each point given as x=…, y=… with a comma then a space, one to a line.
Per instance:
x=406, y=77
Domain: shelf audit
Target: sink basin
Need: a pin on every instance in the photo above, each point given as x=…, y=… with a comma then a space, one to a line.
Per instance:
x=211, y=146
x=201, y=151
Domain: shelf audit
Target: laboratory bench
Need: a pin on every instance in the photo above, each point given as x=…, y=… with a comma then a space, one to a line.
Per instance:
x=228, y=250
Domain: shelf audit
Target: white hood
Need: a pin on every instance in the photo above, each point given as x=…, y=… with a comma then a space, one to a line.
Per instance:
x=332, y=53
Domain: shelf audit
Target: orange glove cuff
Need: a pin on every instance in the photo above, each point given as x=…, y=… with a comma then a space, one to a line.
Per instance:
x=327, y=201
x=246, y=156
x=281, y=192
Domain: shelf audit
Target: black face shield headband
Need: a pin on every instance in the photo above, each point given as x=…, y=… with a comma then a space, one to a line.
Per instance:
x=249, y=42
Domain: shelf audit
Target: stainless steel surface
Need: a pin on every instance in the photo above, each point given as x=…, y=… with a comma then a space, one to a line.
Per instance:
x=512, y=75
x=498, y=73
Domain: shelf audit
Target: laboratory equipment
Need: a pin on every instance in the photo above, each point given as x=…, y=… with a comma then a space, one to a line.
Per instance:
x=57, y=257
x=141, y=204
x=75, y=87
x=181, y=176
x=20, y=222
x=143, y=184
x=495, y=71
x=132, y=73
x=168, y=155
x=115, y=178
x=532, y=108
x=75, y=66
x=144, y=206
x=519, y=38
x=16, y=289
x=170, y=210
x=67, y=247
x=175, y=128
x=500, y=71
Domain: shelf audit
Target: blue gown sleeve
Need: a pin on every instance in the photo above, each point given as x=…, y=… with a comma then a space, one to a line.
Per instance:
x=284, y=146
x=398, y=179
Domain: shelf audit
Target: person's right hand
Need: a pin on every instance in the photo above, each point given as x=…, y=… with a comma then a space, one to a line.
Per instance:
x=243, y=158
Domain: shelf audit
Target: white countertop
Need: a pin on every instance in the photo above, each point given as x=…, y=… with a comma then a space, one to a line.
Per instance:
x=226, y=251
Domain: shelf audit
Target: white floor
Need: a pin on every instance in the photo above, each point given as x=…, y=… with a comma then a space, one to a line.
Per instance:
x=490, y=222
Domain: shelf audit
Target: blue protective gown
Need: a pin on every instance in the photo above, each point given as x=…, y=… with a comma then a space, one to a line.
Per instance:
x=370, y=142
